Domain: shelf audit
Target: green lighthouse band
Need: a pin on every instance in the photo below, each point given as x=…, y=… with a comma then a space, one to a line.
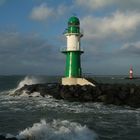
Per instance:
x=73, y=64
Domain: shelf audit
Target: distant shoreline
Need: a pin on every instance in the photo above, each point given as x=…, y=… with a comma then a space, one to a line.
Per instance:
x=134, y=78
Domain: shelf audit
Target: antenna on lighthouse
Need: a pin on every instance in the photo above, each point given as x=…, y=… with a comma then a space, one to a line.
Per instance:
x=131, y=72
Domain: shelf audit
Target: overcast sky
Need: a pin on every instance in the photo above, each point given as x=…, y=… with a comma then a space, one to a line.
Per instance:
x=31, y=35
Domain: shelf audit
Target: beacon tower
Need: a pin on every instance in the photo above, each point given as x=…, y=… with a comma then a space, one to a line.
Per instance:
x=73, y=50
x=131, y=73
x=73, y=70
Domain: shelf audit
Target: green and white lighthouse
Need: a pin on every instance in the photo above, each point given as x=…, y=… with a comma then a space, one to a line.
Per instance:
x=73, y=50
x=73, y=70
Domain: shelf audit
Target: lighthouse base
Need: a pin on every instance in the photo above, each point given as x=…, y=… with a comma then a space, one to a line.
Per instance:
x=76, y=81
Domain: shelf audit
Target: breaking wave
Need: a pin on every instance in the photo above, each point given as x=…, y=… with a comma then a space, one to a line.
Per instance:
x=28, y=80
x=57, y=130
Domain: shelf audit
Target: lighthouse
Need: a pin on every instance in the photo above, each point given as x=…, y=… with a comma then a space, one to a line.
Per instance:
x=73, y=51
x=131, y=73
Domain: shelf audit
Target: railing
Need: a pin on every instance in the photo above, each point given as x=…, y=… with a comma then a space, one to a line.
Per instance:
x=65, y=49
x=68, y=32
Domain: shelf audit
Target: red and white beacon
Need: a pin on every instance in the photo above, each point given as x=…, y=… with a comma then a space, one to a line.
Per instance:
x=131, y=73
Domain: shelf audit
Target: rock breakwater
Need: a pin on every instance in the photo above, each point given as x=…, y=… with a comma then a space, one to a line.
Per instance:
x=117, y=94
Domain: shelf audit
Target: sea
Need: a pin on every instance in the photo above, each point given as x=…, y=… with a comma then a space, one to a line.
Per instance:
x=45, y=118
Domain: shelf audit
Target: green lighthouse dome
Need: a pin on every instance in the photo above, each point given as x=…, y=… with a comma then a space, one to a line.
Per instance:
x=73, y=21
x=73, y=25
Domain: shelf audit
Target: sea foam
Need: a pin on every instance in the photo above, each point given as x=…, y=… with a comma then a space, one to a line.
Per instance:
x=28, y=80
x=57, y=130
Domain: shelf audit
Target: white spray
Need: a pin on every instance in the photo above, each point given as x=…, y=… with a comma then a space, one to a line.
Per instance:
x=28, y=80
x=57, y=130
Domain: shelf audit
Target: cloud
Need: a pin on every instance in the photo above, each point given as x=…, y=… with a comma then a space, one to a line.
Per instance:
x=14, y=44
x=27, y=54
x=120, y=4
x=94, y=4
x=43, y=12
x=61, y=10
x=131, y=48
x=120, y=24
x=128, y=4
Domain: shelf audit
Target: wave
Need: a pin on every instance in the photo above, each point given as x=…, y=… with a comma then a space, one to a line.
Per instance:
x=28, y=80
x=57, y=130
